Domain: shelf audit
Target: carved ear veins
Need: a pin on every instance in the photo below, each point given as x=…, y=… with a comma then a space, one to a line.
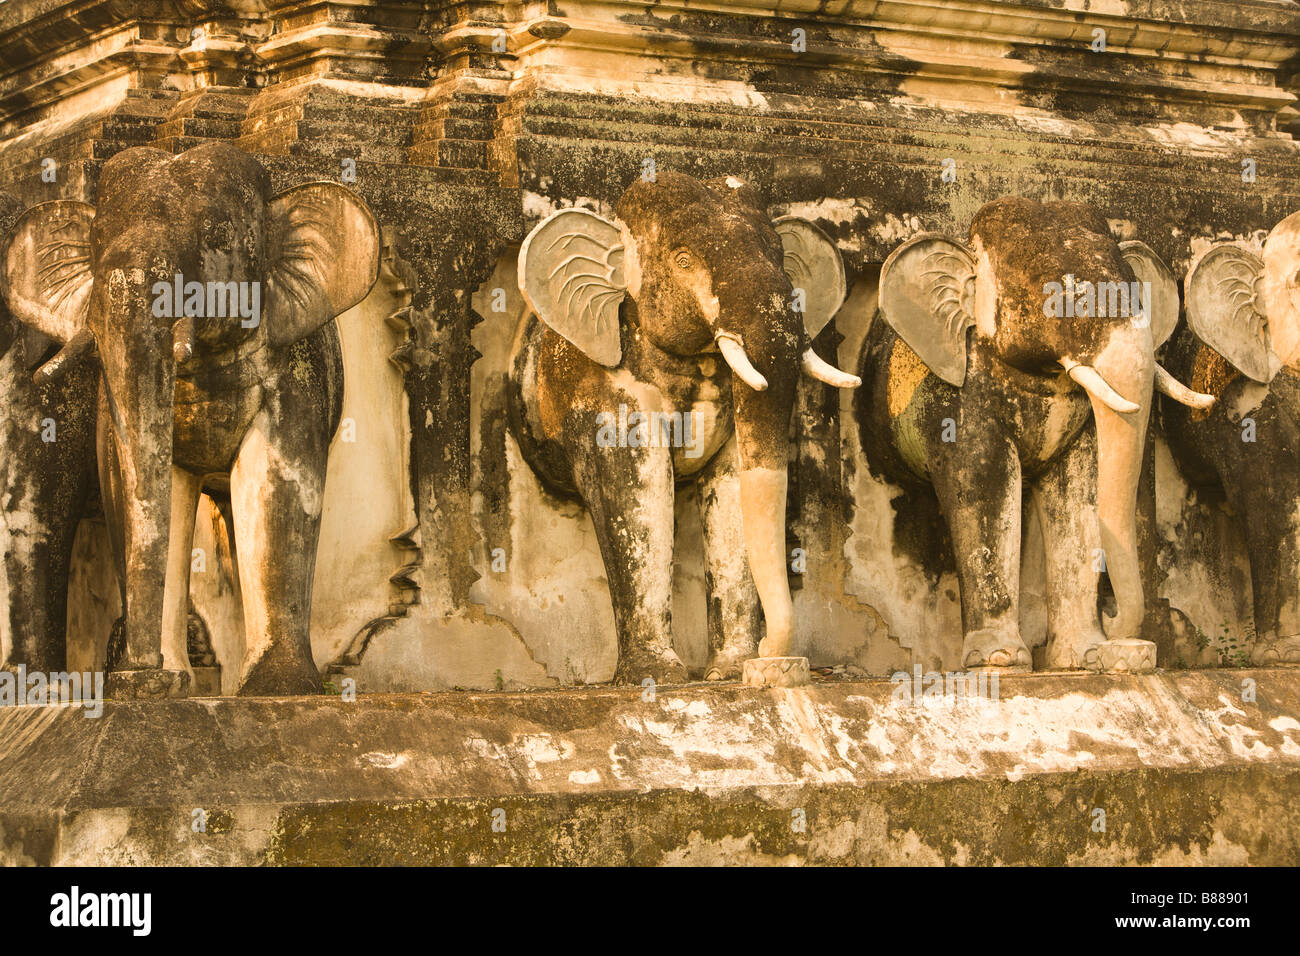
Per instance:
x=1281, y=288
x=1162, y=310
x=926, y=292
x=571, y=276
x=46, y=277
x=813, y=264
x=1223, y=311
x=322, y=254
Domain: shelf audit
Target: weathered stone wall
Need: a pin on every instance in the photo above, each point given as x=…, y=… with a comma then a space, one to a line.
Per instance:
x=1182, y=770
x=463, y=125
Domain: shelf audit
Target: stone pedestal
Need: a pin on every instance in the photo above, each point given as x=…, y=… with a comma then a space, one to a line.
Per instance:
x=151, y=684
x=207, y=681
x=777, y=672
x=1127, y=656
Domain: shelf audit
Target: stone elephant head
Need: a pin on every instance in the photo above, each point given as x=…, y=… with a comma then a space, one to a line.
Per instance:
x=697, y=269
x=203, y=296
x=1041, y=291
x=1241, y=343
x=1247, y=308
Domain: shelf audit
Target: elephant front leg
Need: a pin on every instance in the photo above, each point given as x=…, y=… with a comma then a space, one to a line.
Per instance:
x=630, y=494
x=979, y=490
x=734, y=613
x=276, y=496
x=1066, y=502
x=1263, y=487
x=138, y=668
x=176, y=591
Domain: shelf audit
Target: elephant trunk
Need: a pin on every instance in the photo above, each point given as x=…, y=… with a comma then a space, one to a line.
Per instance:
x=140, y=384
x=765, y=361
x=1121, y=404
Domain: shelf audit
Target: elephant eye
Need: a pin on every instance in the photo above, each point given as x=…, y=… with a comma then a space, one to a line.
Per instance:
x=682, y=259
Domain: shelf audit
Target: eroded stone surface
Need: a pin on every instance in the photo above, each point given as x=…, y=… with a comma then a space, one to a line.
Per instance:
x=1186, y=770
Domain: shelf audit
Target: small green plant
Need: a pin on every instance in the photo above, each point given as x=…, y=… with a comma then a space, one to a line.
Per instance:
x=572, y=675
x=1232, y=650
x=1202, y=640
x=501, y=681
x=330, y=688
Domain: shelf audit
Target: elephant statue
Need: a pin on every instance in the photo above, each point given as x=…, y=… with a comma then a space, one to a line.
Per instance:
x=1065, y=323
x=1241, y=343
x=47, y=476
x=663, y=347
x=208, y=303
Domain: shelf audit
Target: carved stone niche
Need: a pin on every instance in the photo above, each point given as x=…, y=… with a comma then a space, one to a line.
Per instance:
x=1240, y=343
x=982, y=353
x=274, y=275
x=666, y=343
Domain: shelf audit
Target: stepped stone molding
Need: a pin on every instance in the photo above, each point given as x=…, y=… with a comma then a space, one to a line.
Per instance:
x=1202, y=52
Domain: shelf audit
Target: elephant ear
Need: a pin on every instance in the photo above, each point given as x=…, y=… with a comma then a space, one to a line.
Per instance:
x=322, y=254
x=1223, y=310
x=571, y=276
x=1152, y=273
x=46, y=276
x=926, y=293
x=812, y=264
x=1281, y=289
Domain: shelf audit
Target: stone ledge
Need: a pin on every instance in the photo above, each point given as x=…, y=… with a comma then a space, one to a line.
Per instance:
x=1185, y=770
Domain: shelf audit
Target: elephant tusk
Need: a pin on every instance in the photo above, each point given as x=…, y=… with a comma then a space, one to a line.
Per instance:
x=734, y=353
x=75, y=347
x=183, y=336
x=1092, y=383
x=1179, y=392
x=823, y=371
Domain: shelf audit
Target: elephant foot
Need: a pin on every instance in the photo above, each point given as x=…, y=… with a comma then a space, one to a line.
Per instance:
x=272, y=677
x=151, y=683
x=1283, y=650
x=662, y=666
x=1077, y=653
x=729, y=663
x=994, y=648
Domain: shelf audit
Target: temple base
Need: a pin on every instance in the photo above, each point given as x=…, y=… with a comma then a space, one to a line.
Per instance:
x=852, y=772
